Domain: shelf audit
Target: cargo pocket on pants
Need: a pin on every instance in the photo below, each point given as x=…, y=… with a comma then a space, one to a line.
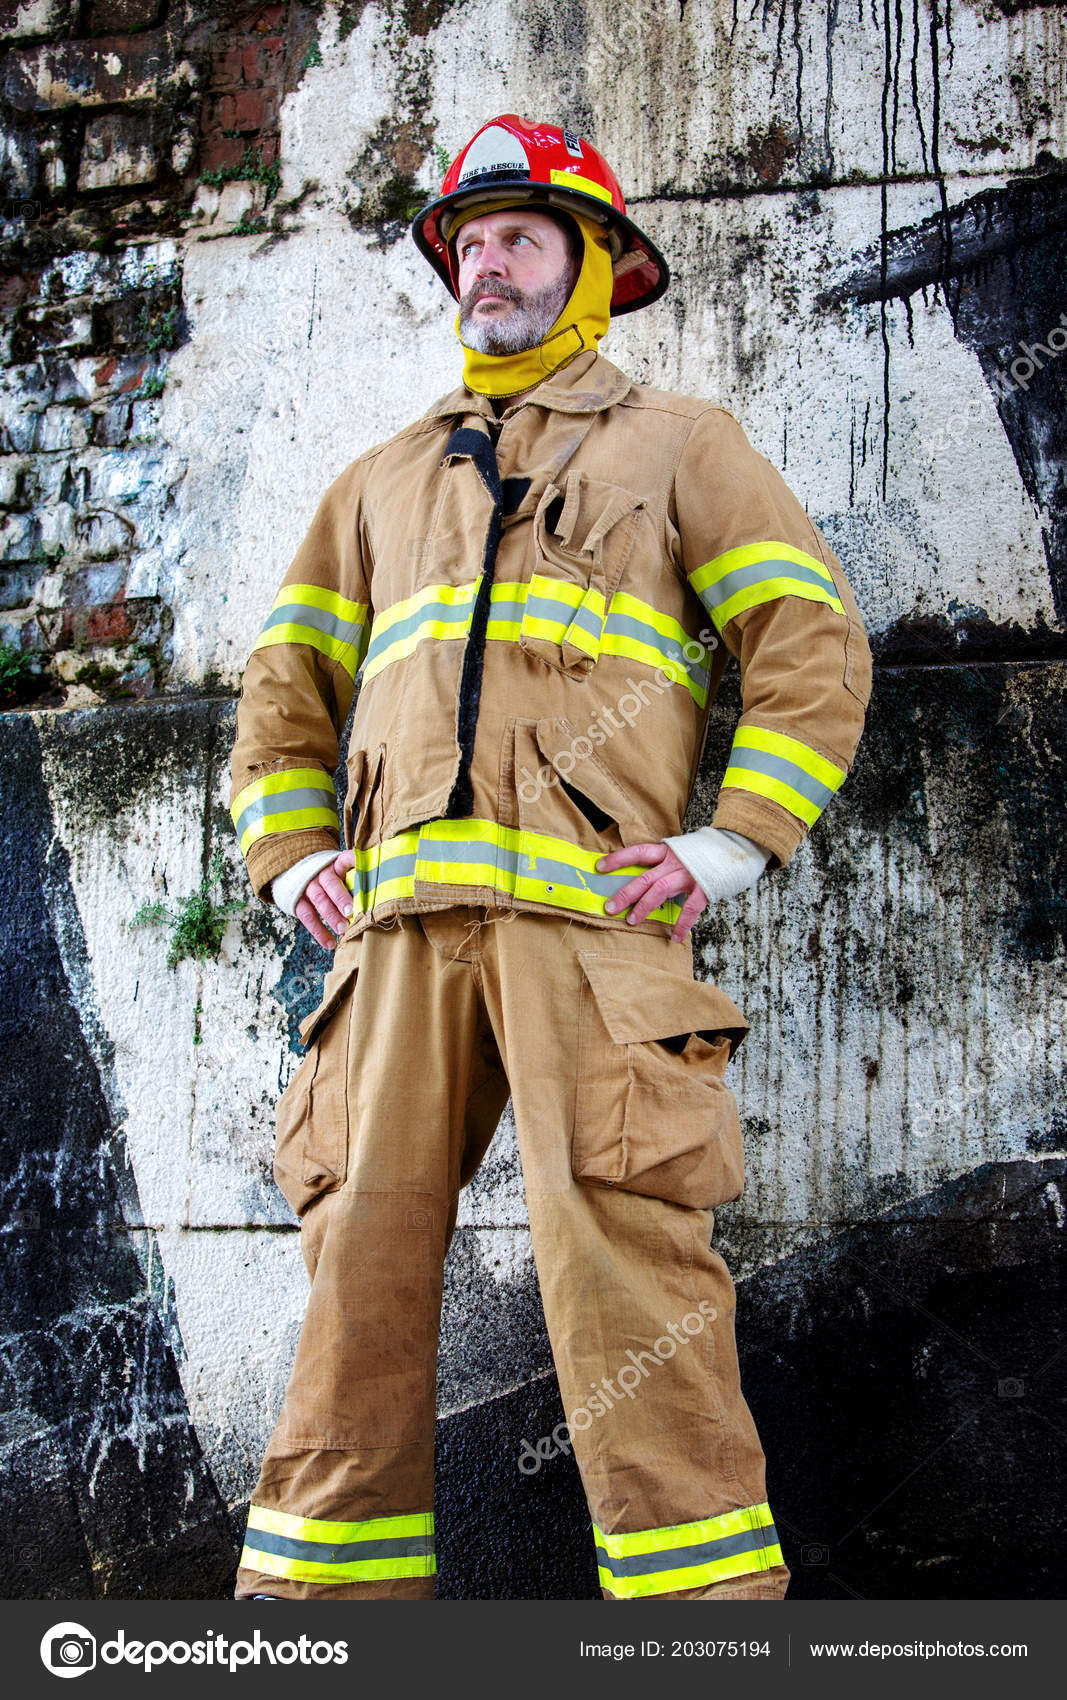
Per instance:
x=311, y=1139
x=653, y=1113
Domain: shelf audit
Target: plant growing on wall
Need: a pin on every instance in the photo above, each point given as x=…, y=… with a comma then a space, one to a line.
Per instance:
x=198, y=922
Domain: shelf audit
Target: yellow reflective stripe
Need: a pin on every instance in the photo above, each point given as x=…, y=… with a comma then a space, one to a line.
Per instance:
x=292, y=800
x=321, y=618
x=399, y=629
x=674, y=1535
x=324, y=1550
x=784, y=770
x=572, y=180
x=623, y=603
x=556, y=590
x=467, y=852
x=319, y=596
x=694, y=1576
x=615, y=643
x=358, y=1570
x=688, y=1555
x=349, y=654
x=440, y=595
x=321, y=1529
x=746, y=577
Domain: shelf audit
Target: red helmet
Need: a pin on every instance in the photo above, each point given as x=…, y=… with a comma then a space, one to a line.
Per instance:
x=510, y=159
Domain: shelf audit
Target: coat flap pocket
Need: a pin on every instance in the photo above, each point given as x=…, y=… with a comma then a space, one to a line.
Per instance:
x=334, y=988
x=571, y=755
x=638, y=1002
x=590, y=510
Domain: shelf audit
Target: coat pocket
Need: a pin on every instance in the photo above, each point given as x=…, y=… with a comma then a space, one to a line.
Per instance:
x=365, y=803
x=311, y=1138
x=653, y=1113
x=566, y=791
x=583, y=536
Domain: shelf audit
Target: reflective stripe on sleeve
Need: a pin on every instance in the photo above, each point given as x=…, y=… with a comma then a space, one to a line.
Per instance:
x=290, y=801
x=309, y=1549
x=308, y=613
x=530, y=865
x=784, y=770
x=688, y=1555
x=761, y=572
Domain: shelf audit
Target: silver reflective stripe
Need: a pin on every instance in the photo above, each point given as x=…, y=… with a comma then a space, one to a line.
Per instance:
x=322, y=1552
x=682, y=1558
x=776, y=767
x=457, y=614
x=741, y=577
x=626, y=626
x=284, y=803
x=305, y=614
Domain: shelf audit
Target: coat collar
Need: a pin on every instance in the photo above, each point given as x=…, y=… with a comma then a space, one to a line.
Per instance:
x=588, y=385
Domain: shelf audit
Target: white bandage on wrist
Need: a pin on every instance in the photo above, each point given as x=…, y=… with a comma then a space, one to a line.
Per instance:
x=722, y=863
x=287, y=889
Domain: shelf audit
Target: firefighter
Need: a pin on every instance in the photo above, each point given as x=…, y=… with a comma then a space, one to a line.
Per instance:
x=539, y=583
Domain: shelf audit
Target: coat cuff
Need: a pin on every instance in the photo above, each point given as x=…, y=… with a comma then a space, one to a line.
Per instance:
x=767, y=823
x=271, y=855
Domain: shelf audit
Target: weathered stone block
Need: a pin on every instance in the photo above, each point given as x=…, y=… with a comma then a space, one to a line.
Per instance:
x=235, y=200
x=117, y=150
x=20, y=536
x=36, y=19
x=13, y=481
x=220, y=152
x=101, y=535
x=112, y=427
x=89, y=73
x=124, y=15
x=62, y=428
x=251, y=110
x=16, y=588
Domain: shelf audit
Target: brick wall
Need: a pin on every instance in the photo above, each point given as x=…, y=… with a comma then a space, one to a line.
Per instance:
x=122, y=123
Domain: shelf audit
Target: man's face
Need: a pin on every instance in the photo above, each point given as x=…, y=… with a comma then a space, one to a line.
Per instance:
x=515, y=276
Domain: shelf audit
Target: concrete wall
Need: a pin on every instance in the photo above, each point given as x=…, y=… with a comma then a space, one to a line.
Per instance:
x=866, y=217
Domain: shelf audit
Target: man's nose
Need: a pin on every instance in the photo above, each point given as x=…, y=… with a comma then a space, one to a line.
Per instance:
x=491, y=260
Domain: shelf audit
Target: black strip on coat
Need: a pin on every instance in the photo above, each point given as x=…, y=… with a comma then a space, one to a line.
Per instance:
x=476, y=445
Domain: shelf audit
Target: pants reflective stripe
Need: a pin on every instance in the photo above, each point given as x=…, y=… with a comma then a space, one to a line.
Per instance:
x=761, y=572
x=784, y=770
x=298, y=797
x=688, y=1555
x=313, y=1550
x=532, y=865
x=548, y=609
x=310, y=614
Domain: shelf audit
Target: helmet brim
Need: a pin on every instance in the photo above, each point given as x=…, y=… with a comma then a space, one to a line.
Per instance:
x=641, y=273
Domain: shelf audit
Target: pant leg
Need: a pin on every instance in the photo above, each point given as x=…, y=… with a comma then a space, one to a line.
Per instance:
x=639, y=1308
x=391, y=1109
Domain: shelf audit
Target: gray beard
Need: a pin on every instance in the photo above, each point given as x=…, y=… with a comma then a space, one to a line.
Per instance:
x=524, y=328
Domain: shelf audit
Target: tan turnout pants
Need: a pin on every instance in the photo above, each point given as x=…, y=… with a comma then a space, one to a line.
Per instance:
x=614, y=1056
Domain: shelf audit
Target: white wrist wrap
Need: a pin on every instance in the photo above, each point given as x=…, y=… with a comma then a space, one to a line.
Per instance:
x=722, y=863
x=287, y=889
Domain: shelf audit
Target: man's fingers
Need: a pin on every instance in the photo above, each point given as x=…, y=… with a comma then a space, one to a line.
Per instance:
x=335, y=890
x=631, y=853
x=692, y=908
x=308, y=917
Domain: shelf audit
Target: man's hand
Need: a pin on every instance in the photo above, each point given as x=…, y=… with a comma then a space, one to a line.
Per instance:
x=666, y=878
x=327, y=902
